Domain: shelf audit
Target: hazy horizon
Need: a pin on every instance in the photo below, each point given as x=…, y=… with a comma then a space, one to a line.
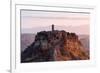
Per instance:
x=35, y=21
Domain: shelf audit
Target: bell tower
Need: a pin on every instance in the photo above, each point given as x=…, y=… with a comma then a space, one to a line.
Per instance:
x=52, y=27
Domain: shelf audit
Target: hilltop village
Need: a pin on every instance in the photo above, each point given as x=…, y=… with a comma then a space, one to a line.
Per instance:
x=54, y=45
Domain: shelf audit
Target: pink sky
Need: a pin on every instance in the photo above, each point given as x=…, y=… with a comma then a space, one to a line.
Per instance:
x=34, y=19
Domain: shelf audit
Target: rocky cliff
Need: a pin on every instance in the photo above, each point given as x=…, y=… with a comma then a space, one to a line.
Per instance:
x=54, y=46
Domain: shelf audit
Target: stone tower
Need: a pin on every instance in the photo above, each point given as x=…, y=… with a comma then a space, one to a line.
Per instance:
x=52, y=27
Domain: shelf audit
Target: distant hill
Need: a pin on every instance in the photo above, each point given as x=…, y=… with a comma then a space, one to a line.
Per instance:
x=26, y=40
x=85, y=41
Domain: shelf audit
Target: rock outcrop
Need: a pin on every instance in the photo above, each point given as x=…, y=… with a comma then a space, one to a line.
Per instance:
x=54, y=46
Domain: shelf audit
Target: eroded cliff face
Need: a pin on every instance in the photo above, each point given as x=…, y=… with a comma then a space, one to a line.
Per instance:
x=54, y=46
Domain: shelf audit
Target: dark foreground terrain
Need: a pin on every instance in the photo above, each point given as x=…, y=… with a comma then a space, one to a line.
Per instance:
x=54, y=46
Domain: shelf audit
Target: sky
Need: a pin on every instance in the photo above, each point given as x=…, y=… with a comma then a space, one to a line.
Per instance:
x=35, y=21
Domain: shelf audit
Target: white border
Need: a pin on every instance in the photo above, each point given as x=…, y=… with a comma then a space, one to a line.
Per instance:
x=16, y=66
